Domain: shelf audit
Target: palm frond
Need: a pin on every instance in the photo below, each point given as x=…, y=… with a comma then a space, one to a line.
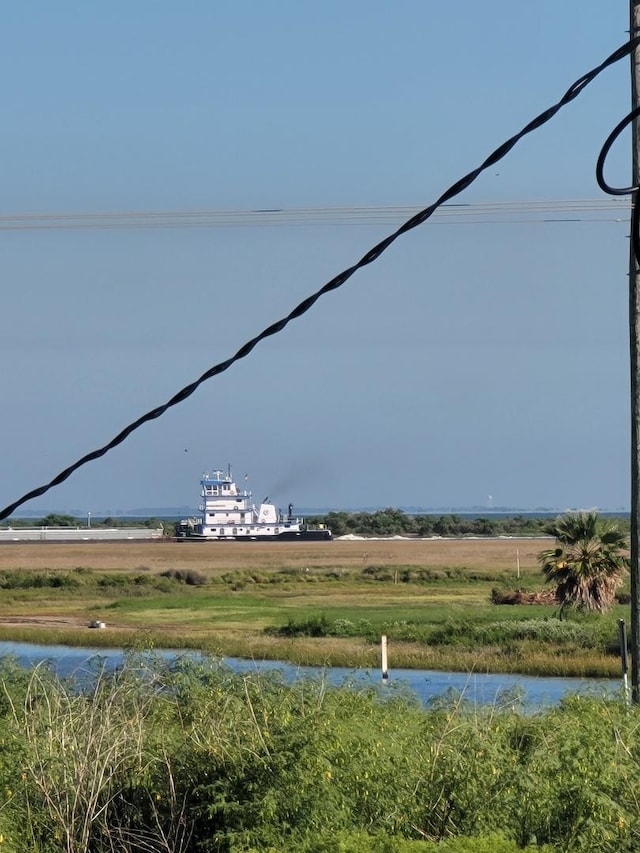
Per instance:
x=588, y=563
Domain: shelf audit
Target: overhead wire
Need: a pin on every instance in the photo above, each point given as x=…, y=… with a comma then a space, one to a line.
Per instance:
x=448, y=214
x=373, y=254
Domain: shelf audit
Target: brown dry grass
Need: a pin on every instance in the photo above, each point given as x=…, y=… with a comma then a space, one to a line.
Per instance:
x=214, y=557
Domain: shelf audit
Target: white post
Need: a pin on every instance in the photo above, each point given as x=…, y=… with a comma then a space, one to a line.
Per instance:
x=88, y=519
x=622, y=634
x=385, y=668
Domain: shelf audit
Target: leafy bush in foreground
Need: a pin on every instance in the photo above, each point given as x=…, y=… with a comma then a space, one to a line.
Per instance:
x=191, y=757
x=362, y=842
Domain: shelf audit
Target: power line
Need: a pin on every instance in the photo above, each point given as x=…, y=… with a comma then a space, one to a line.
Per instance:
x=610, y=210
x=372, y=255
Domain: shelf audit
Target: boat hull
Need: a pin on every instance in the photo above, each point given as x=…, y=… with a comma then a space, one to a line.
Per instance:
x=286, y=536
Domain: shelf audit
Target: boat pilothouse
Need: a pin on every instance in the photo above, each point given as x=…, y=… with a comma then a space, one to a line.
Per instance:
x=226, y=512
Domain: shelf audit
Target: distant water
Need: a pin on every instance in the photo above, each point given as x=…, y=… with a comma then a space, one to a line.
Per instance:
x=530, y=692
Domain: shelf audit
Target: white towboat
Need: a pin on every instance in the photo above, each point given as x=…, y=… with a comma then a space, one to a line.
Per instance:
x=226, y=512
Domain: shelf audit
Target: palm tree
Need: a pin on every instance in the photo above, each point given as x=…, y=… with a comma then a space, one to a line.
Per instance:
x=588, y=563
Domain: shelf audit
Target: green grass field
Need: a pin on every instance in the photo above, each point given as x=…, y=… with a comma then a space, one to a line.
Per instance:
x=313, y=603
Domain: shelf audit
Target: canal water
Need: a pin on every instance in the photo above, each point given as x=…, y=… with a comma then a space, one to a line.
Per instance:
x=529, y=692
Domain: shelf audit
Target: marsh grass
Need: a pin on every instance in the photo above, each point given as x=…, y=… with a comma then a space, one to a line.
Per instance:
x=318, y=603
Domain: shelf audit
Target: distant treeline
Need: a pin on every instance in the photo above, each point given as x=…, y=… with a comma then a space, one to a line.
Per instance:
x=395, y=522
x=384, y=522
x=59, y=519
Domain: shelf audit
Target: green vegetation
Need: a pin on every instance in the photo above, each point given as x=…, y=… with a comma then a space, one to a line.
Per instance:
x=56, y=519
x=192, y=757
x=189, y=756
x=588, y=563
x=458, y=604
x=395, y=522
x=384, y=522
x=434, y=618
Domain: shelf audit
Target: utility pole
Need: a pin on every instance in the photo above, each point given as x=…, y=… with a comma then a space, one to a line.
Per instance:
x=634, y=340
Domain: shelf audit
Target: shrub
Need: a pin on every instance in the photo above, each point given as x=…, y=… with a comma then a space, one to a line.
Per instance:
x=320, y=626
x=497, y=633
x=360, y=841
x=313, y=626
x=190, y=756
x=21, y=579
x=190, y=577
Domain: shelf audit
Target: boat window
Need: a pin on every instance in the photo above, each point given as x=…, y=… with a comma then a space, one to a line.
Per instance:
x=234, y=530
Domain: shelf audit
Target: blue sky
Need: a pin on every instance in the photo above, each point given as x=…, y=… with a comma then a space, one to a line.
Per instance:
x=473, y=364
